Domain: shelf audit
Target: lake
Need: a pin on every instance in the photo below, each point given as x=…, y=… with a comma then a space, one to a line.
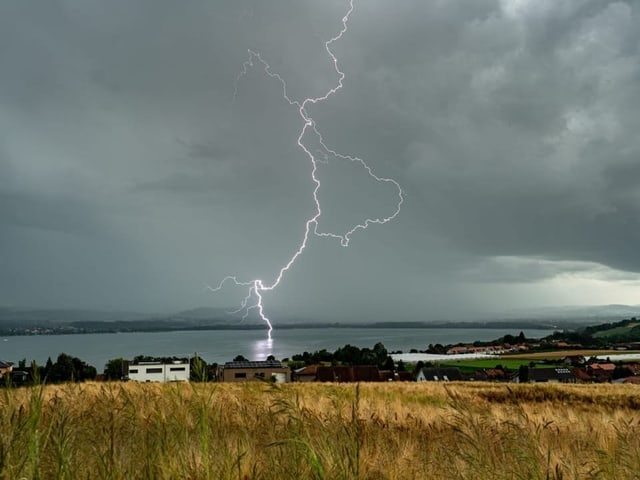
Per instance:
x=223, y=345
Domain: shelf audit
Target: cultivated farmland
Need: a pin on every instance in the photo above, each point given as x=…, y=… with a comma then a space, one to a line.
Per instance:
x=333, y=431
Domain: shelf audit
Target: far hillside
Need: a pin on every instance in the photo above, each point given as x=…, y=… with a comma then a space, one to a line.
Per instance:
x=623, y=331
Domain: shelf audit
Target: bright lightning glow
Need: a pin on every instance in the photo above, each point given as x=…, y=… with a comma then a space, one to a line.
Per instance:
x=255, y=288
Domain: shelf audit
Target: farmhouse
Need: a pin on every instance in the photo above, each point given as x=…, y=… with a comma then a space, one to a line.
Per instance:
x=175, y=371
x=346, y=373
x=247, y=371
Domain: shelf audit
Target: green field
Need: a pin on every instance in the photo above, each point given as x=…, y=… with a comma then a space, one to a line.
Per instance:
x=508, y=363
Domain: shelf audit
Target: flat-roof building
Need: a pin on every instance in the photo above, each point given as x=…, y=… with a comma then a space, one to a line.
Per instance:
x=175, y=371
x=251, y=371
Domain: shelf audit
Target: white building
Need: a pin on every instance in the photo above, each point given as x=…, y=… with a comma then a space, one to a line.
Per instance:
x=176, y=371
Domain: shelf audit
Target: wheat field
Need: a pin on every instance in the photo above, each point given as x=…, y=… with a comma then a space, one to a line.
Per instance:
x=320, y=431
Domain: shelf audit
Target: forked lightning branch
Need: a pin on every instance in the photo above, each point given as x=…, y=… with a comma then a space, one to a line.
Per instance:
x=253, y=300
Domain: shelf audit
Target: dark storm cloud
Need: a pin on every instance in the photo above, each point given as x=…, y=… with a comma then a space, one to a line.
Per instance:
x=512, y=129
x=511, y=126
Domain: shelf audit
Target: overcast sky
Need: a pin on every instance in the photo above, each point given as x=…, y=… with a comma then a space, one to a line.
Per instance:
x=130, y=178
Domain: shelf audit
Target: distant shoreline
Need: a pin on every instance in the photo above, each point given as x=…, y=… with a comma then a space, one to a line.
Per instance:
x=80, y=328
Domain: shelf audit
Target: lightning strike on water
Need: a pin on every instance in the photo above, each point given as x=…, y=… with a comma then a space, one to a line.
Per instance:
x=255, y=288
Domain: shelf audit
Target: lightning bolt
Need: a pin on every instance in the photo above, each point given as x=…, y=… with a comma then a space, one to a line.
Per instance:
x=253, y=301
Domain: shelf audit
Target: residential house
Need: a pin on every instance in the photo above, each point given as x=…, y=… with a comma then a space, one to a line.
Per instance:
x=633, y=368
x=582, y=376
x=574, y=360
x=492, y=375
x=335, y=373
x=601, y=372
x=251, y=371
x=477, y=376
x=346, y=373
x=495, y=374
x=435, y=374
x=174, y=371
x=366, y=373
x=20, y=377
x=404, y=377
x=546, y=375
x=459, y=350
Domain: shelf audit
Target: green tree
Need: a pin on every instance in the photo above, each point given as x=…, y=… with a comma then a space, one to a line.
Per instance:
x=61, y=370
x=380, y=353
x=69, y=369
x=349, y=355
x=48, y=367
x=389, y=364
x=116, y=369
x=82, y=371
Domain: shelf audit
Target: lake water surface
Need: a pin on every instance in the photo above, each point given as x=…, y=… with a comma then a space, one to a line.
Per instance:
x=223, y=345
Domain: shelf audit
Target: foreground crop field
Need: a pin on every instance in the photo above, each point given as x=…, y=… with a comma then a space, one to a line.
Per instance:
x=304, y=431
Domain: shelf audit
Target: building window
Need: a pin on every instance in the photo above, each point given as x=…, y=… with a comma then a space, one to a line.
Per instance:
x=177, y=369
x=240, y=375
x=154, y=370
x=133, y=370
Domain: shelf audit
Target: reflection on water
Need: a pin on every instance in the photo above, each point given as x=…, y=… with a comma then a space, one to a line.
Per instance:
x=262, y=348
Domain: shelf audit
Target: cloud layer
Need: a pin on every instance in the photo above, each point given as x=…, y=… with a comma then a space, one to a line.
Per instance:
x=130, y=176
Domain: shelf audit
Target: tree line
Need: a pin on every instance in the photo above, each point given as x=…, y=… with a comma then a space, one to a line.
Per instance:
x=67, y=368
x=347, y=355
